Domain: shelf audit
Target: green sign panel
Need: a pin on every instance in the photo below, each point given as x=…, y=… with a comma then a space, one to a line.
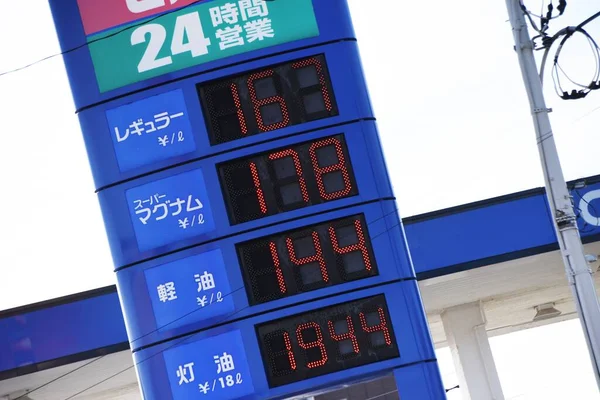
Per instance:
x=195, y=35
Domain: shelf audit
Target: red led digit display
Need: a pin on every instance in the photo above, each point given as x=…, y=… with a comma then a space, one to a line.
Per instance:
x=287, y=179
x=328, y=340
x=348, y=334
x=272, y=98
x=314, y=345
x=321, y=171
x=306, y=259
x=378, y=326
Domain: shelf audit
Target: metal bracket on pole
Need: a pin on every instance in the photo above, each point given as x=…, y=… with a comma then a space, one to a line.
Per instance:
x=564, y=221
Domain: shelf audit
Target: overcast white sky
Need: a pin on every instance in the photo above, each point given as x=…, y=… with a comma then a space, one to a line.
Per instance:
x=451, y=109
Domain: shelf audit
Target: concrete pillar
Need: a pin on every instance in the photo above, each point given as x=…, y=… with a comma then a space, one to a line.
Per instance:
x=465, y=331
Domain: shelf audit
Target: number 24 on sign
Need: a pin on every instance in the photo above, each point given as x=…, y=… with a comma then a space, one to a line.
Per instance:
x=188, y=25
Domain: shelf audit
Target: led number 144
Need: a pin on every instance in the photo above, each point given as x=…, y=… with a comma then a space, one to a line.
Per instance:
x=187, y=26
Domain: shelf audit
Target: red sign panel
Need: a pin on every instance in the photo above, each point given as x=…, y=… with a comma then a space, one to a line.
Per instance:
x=99, y=15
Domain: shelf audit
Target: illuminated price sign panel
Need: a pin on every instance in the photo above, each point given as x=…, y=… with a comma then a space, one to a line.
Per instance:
x=260, y=101
x=307, y=259
x=327, y=340
x=286, y=179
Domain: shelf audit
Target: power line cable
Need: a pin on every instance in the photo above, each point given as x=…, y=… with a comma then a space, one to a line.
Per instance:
x=185, y=338
x=192, y=335
x=587, y=114
x=394, y=211
x=396, y=391
x=23, y=396
x=98, y=39
x=176, y=343
x=133, y=341
x=584, y=88
x=370, y=398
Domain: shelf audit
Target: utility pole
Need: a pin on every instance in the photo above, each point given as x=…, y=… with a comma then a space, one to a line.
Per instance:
x=577, y=269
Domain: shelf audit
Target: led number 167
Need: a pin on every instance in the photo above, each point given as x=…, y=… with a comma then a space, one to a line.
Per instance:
x=186, y=26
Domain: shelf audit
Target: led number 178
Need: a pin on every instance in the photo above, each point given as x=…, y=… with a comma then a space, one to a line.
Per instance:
x=186, y=26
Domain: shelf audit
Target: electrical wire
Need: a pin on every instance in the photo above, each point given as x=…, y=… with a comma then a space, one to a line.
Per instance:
x=175, y=343
x=190, y=336
x=543, y=27
x=394, y=211
x=84, y=46
x=385, y=215
x=396, y=391
x=584, y=89
x=98, y=39
x=370, y=398
x=60, y=377
x=587, y=114
x=383, y=394
x=547, y=41
x=133, y=341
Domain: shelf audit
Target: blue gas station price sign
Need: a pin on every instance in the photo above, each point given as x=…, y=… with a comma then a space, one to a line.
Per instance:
x=188, y=290
x=170, y=209
x=213, y=368
x=151, y=130
x=169, y=94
